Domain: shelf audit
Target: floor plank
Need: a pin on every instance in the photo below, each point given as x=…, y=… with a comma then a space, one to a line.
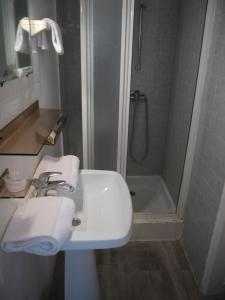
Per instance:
x=146, y=270
x=139, y=271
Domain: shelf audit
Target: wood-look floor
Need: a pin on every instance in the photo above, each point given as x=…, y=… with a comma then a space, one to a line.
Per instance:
x=146, y=270
x=142, y=271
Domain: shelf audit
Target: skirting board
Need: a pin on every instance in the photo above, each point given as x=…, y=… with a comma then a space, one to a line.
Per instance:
x=156, y=228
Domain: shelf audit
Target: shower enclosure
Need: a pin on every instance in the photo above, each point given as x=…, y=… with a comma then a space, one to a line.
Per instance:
x=138, y=76
x=167, y=39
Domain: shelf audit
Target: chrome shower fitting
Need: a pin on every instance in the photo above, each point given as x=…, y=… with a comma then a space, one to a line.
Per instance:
x=137, y=96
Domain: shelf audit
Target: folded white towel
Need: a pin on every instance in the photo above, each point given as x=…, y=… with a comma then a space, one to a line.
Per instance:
x=68, y=165
x=56, y=35
x=22, y=40
x=42, y=41
x=41, y=226
x=39, y=42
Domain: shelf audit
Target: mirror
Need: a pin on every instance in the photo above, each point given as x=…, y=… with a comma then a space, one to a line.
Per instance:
x=13, y=64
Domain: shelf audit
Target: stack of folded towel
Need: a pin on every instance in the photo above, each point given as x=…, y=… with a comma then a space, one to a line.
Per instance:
x=40, y=40
x=42, y=225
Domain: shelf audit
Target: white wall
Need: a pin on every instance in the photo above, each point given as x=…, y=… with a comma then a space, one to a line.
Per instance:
x=46, y=70
x=204, y=228
x=43, y=84
x=25, y=276
x=15, y=96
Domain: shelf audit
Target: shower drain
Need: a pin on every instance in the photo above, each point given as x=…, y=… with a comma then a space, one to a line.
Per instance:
x=132, y=193
x=76, y=222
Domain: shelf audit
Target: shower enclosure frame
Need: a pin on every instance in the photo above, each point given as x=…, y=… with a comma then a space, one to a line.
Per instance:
x=87, y=79
x=124, y=95
x=87, y=82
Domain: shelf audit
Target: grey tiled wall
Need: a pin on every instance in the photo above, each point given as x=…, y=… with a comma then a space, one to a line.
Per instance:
x=160, y=26
x=68, y=16
x=209, y=166
x=172, y=36
x=191, y=27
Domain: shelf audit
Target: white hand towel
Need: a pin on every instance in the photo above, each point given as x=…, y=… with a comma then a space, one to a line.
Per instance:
x=56, y=35
x=68, y=165
x=22, y=40
x=41, y=226
x=42, y=41
x=39, y=41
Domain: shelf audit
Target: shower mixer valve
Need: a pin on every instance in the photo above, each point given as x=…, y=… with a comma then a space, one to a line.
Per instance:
x=137, y=96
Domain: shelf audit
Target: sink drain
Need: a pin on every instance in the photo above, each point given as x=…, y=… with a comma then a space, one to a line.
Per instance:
x=76, y=222
x=132, y=193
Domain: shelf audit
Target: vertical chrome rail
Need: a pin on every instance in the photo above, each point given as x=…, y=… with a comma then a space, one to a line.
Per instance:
x=140, y=32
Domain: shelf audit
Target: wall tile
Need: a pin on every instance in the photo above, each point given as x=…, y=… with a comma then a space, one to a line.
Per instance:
x=192, y=16
x=160, y=26
x=68, y=15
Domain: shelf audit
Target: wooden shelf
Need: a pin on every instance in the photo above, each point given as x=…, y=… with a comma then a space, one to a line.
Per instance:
x=28, y=132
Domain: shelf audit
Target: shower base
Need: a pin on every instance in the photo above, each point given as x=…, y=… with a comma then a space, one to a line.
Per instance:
x=151, y=195
x=154, y=210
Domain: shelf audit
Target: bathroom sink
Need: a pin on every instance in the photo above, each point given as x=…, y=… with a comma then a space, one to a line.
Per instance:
x=105, y=210
x=103, y=219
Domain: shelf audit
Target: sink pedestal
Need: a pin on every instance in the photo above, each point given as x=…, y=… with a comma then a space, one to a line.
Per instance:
x=105, y=210
x=81, y=278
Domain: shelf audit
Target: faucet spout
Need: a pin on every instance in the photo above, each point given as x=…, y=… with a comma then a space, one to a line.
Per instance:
x=42, y=188
x=60, y=186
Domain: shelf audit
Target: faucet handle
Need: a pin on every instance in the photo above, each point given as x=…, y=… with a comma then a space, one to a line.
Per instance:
x=56, y=182
x=44, y=177
x=37, y=183
x=60, y=186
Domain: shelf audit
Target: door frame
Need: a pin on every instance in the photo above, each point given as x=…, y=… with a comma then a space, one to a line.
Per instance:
x=87, y=82
x=125, y=82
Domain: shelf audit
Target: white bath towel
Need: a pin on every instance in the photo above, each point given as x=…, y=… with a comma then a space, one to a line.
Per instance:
x=68, y=165
x=39, y=42
x=41, y=226
x=56, y=35
x=42, y=41
x=22, y=40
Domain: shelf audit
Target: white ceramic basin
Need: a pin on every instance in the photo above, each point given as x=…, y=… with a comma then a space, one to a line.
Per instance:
x=104, y=207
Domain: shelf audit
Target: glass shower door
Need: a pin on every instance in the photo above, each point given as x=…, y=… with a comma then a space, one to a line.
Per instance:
x=107, y=20
x=106, y=50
